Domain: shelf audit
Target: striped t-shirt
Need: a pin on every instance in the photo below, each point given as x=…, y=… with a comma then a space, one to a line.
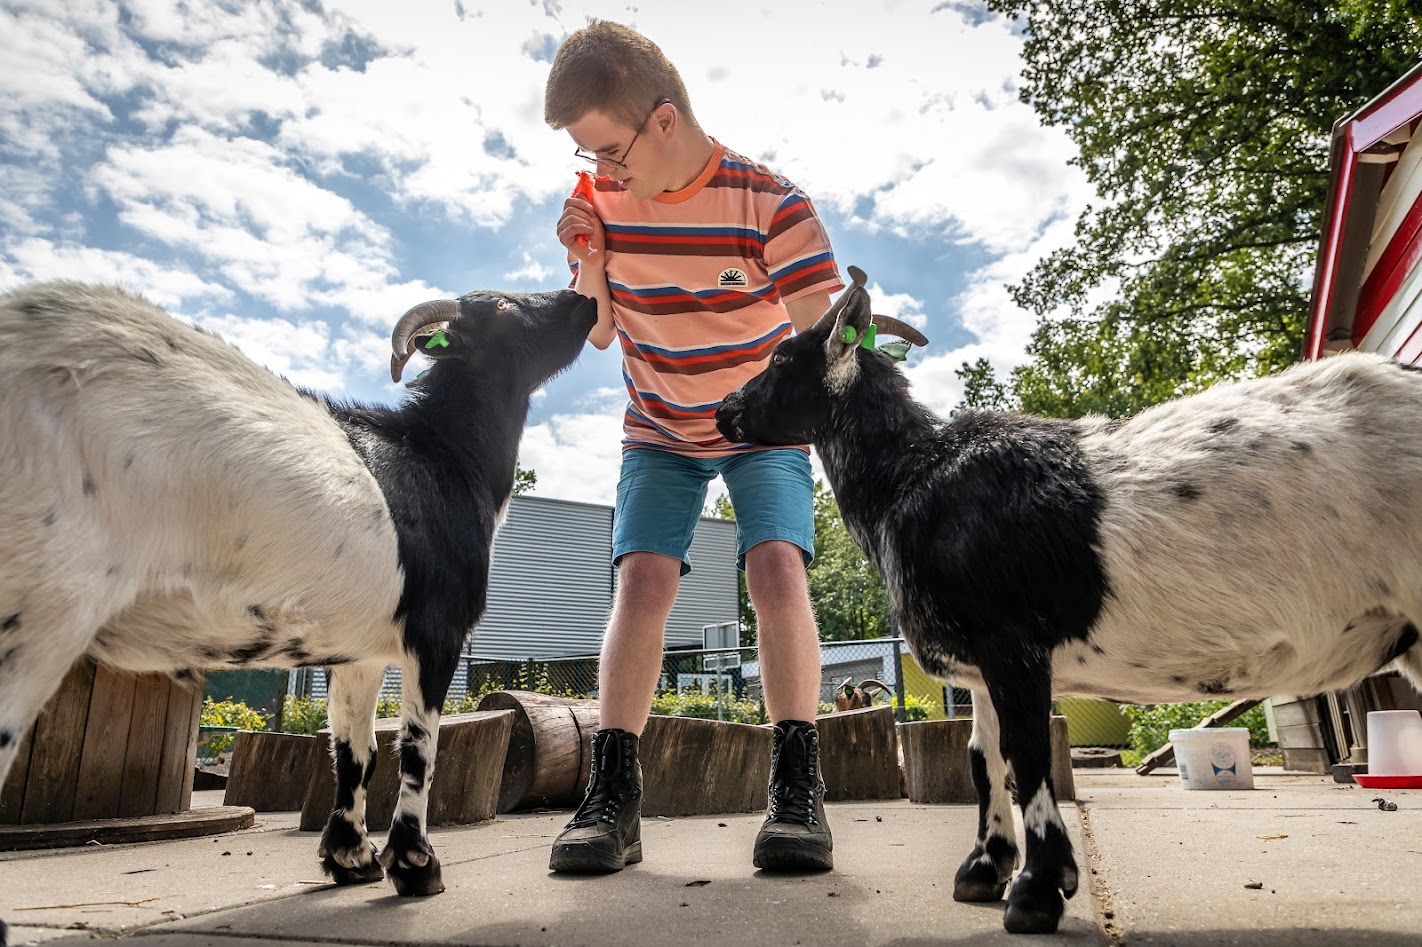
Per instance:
x=699, y=281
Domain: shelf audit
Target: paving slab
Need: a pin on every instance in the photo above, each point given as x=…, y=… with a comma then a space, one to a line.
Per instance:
x=1298, y=861
x=892, y=885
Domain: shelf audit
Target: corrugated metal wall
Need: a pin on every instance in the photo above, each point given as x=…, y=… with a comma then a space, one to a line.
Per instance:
x=551, y=584
x=709, y=593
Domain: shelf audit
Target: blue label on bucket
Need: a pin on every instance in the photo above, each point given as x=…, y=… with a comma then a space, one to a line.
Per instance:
x=1223, y=763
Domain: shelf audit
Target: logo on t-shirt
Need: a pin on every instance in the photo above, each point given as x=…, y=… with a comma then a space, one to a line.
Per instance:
x=732, y=278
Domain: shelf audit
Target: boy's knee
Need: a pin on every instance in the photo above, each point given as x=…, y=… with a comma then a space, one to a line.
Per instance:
x=775, y=567
x=648, y=576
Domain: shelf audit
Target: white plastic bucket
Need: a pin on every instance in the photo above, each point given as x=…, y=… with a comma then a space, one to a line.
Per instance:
x=1213, y=758
x=1395, y=743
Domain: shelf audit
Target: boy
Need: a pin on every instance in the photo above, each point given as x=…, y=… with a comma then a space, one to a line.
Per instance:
x=701, y=261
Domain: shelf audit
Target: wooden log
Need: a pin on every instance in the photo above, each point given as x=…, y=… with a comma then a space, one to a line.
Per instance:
x=468, y=766
x=550, y=749
x=936, y=766
x=859, y=754
x=270, y=772
x=700, y=767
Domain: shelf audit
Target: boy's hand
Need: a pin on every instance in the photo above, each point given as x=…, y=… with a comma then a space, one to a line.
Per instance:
x=580, y=220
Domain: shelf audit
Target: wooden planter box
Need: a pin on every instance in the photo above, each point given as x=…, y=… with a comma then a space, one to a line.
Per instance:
x=936, y=763
x=109, y=744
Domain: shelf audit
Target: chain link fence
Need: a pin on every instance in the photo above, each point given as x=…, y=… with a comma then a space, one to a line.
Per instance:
x=725, y=683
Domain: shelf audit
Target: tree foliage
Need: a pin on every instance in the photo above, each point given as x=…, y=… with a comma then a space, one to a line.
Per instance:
x=850, y=600
x=524, y=480
x=1204, y=127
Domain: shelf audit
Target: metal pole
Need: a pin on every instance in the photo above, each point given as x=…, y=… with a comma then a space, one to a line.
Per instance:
x=899, y=680
x=719, y=713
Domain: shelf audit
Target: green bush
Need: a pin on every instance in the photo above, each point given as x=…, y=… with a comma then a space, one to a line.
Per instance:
x=302, y=715
x=228, y=713
x=916, y=708
x=696, y=704
x=1151, y=725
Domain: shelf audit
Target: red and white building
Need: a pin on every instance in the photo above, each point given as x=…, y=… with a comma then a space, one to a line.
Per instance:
x=1367, y=291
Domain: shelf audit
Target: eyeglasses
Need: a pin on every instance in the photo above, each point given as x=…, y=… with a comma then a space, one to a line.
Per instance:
x=610, y=164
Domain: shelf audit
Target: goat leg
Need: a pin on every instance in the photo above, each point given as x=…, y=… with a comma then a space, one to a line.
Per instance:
x=408, y=858
x=348, y=855
x=1023, y=701
x=984, y=874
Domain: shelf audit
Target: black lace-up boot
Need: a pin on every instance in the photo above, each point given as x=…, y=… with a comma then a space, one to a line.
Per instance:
x=605, y=833
x=795, y=836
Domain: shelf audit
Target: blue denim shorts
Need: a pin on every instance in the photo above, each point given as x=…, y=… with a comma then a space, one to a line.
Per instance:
x=660, y=496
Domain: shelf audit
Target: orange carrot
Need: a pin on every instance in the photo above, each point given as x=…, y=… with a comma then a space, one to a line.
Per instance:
x=584, y=189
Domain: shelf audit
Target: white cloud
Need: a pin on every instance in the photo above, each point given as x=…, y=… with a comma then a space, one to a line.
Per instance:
x=305, y=158
x=531, y=270
x=38, y=259
x=576, y=456
x=308, y=353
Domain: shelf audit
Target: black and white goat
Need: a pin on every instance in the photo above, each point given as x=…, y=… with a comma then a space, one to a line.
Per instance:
x=1259, y=538
x=166, y=504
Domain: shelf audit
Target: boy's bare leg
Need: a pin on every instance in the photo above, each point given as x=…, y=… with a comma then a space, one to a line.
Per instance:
x=796, y=835
x=632, y=648
x=789, y=638
x=605, y=834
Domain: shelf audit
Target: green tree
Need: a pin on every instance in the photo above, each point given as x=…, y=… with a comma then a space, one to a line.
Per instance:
x=849, y=596
x=982, y=389
x=524, y=480
x=1204, y=126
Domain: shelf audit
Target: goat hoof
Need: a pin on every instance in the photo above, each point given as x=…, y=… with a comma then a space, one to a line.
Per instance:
x=977, y=891
x=358, y=874
x=979, y=878
x=413, y=881
x=1033, y=908
x=347, y=856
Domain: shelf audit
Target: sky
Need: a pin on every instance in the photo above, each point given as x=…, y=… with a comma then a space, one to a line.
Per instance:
x=295, y=175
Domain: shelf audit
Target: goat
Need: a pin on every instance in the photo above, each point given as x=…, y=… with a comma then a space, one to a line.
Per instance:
x=1258, y=538
x=169, y=505
x=849, y=696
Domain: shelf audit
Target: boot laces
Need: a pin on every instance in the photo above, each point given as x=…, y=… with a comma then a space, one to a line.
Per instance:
x=607, y=789
x=794, y=782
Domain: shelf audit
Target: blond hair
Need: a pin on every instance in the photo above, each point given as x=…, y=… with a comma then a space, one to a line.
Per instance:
x=612, y=69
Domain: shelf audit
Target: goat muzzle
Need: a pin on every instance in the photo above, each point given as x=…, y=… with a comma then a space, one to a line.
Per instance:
x=424, y=319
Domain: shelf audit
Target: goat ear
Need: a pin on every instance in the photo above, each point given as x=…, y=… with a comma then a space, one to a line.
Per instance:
x=422, y=329
x=851, y=318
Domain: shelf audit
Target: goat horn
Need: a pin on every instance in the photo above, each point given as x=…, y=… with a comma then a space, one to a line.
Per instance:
x=831, y=315
x=420, y=320
x=891, y=326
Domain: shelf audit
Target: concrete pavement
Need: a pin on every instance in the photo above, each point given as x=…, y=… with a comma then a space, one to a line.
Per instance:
x=1298, y=861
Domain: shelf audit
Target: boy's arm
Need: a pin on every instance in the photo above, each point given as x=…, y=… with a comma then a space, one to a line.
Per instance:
x=580, y=220
x=807, y=310
x=591, y=281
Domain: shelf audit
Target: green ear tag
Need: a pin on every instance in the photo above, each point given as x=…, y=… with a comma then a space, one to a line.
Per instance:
x=849, y=335
x=438, y=339
x=870, y=334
